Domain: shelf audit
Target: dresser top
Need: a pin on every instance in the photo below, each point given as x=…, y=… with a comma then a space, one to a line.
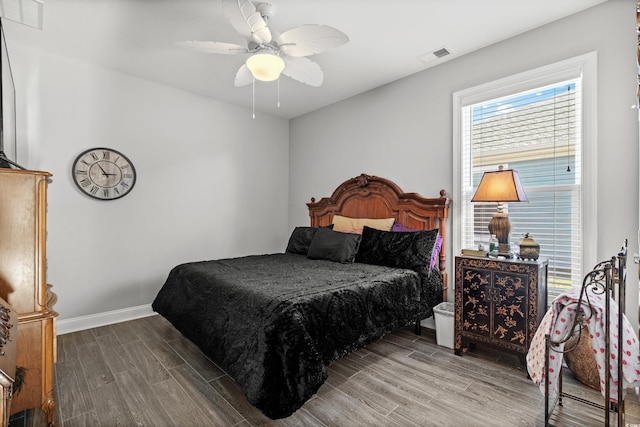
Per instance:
x=539, y=261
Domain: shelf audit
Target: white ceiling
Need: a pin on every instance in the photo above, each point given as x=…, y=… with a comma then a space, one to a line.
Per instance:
x=387, y=40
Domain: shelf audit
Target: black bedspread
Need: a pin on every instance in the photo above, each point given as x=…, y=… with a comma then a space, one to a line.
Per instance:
x=274, y=322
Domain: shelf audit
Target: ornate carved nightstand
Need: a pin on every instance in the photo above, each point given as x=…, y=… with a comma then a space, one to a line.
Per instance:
x=498, y=302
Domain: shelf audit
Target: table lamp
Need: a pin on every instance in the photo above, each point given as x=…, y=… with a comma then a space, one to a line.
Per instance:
x=501, y=186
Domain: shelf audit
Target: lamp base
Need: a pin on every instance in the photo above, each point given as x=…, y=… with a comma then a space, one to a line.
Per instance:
x=504, y=249
x=499, y=225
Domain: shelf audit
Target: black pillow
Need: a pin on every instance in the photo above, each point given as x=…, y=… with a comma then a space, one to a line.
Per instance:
x=410, y=250
x=334, y=246
x=301, y=238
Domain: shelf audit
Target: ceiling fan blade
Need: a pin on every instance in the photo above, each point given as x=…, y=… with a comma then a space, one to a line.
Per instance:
x=243, y=76
x=247, y=20
x=310, y=39
x=303, y=70
x=213, y=47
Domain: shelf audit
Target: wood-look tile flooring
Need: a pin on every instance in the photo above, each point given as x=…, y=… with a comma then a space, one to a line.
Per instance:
x=144, y=373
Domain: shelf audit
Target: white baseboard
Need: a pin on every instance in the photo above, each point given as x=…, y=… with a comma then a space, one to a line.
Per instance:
x=75, y=324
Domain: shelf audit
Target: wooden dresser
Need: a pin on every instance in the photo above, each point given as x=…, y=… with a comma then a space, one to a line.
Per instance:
x=8, y=343
x=23, y=261
x=498, y=302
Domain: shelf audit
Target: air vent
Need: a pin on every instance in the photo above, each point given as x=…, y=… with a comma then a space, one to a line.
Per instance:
x=434, y=55
x=441, y=52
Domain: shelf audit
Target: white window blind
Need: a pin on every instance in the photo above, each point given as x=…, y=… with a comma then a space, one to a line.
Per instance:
x=537, y=133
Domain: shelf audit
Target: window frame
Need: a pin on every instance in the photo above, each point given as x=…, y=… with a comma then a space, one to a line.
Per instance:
x=584, y=67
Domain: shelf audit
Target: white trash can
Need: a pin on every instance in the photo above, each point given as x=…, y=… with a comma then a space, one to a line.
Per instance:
x=443, y=314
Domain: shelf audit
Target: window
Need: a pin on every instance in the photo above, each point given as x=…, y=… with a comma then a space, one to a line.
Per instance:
x=532, y=123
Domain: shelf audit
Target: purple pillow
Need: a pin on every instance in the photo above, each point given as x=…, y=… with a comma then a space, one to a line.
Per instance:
x=436, y=252
x=397, y=227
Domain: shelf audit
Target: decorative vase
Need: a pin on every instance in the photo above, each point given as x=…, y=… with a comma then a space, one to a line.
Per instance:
x=529, y=249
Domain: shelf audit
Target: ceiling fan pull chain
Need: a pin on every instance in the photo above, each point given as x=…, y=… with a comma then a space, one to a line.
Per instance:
x=253, y=95
x=278, y=91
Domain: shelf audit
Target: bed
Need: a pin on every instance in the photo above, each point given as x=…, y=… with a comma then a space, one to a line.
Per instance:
x=275, y=322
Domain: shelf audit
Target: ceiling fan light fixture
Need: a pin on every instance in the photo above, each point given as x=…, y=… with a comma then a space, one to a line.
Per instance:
x=265, y=66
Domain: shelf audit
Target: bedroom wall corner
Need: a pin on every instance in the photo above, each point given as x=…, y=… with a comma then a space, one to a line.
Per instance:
x=211, y=180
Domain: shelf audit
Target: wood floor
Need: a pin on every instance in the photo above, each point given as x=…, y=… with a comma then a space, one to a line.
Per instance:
x=143, y=372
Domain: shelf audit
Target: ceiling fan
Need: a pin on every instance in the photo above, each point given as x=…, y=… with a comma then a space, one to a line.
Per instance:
x=271, y=53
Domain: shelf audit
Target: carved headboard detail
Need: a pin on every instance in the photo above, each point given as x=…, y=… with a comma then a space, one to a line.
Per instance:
x=367, y=196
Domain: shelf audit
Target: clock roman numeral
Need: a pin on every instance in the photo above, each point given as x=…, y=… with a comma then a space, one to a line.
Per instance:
x=128, y=175
x=116, y=190
x=83, y=161
x=94, y=189
x=125, y=185
x=85, y=182
x=84, y=173
x=105, y=192
x=94, y=156
x=105, y=155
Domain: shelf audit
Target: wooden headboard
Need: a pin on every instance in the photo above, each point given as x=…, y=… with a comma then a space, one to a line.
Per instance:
x=367, y=196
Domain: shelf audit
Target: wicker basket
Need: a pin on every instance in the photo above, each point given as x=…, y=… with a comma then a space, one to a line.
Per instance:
x=581, y=360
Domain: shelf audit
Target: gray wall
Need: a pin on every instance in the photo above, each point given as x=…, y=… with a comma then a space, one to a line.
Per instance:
x=211, y=180
x=403, y=131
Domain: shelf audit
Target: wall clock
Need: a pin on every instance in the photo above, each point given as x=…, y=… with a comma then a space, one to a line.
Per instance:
x=104, y=173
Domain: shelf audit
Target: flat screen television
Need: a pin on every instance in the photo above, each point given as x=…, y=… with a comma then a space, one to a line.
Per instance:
x=8, y=140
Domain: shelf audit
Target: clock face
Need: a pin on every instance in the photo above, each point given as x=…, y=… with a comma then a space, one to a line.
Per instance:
x=104, y=173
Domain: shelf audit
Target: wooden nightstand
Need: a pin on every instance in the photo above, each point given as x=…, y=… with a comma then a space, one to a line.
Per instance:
x=498, y=302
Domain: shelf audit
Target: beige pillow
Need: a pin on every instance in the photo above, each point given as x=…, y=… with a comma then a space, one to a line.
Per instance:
x=344, y=223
